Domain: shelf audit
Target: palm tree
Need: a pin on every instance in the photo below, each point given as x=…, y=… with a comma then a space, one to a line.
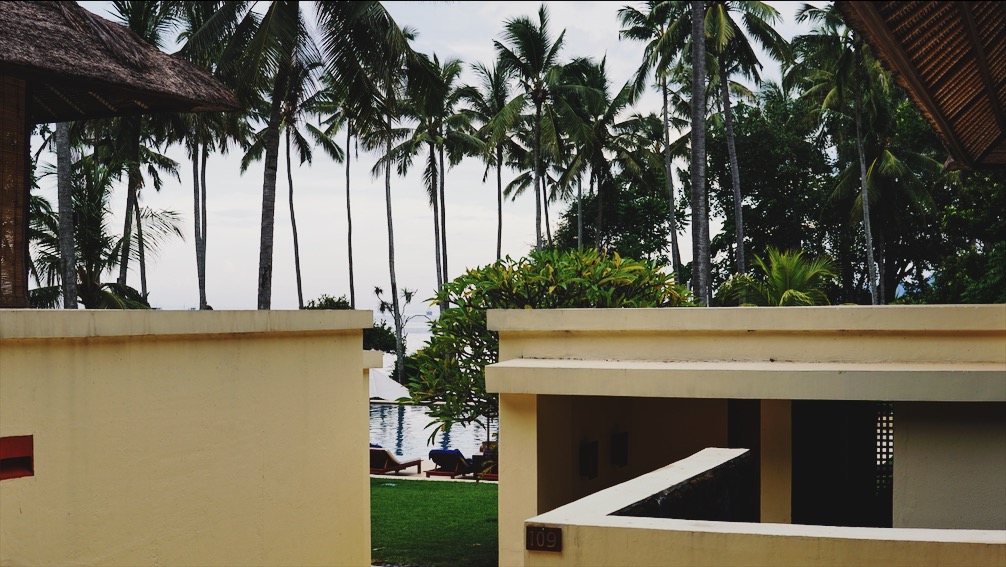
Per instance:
x=150, y=20
x=591, y=116
x=833, y=62
x=787, y=279
x=338, y=110
x=700, y=213
x=64, y=181
x=441, y=130
x=201, y=133
x=662, y=27
x=488, y=107
x=334, y=101
x=97, y=251
x=532, y=56
x=364, y=43
x=734, y=53
x=298, y=100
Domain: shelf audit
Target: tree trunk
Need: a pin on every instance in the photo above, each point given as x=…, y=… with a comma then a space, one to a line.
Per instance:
x=700, y=215
x=599, y=201
x=579, y=212
x=434, y=203
x=499, y=203
x=864, y=197
x=881, y=267
x=64, y=184
x=132, y=127
x=395, y=310
x=201, y=267
x=269, y=196
x=349, y=219
x=544, y=208
x=537, y=175
x=735, y=173
x=141, y=249
x=443, y=221
x=197, y=223
x=293, y=224
x=669, y=173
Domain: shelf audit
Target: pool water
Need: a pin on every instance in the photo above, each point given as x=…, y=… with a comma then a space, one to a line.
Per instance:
x=402, y=429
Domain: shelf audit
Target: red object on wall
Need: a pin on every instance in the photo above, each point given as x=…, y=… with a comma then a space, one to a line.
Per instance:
x=17, y=456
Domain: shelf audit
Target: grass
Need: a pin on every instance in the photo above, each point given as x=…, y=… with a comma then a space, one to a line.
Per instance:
x=433, y=524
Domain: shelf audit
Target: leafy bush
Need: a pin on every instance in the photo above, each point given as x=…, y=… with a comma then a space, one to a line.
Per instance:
x=451, y=375
x=379, y=337
x=787, y=279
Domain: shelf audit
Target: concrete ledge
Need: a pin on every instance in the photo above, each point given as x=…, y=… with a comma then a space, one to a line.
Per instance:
x=899, y=318
x=591, y=536
x=948, y=382
x=82, y=324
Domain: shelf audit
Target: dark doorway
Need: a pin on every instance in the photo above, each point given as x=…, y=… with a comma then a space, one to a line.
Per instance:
x=842, y=463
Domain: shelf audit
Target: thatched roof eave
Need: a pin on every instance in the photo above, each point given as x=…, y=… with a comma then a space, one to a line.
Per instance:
x=950, y=58
x=80, y=65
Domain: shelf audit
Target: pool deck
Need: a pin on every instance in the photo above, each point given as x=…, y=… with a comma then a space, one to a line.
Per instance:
x=428, y=465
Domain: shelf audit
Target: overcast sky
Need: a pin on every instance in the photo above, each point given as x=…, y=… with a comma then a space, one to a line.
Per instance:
x=462, y=30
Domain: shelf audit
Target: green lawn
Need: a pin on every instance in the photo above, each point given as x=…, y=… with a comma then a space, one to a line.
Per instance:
x=433, y=523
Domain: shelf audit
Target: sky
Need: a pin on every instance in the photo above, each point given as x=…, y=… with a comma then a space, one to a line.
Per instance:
x=463, y=30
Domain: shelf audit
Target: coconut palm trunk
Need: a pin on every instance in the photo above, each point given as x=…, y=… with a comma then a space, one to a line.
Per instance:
x=269, y=196
x=198, y=226
x=537, y=175
x=579, y=212
x=201, y=260
x=141, y=250
x=735, y=174
x=864, y=196
x=64, y=187
x=544, y=209
x=443, y=216
x=598, y=230
x=293, y=225
x=434, y=203
x=499, y=202
x=700, y=216
x=669, y=175
x=132, y=131
x=395, y=308
x=349, y=219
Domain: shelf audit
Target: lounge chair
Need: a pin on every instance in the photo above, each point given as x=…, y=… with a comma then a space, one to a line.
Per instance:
x=383, y=461
x=486, y=465
x=450, y=463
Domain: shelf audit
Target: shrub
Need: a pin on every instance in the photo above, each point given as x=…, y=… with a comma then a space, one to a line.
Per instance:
x=451, y=376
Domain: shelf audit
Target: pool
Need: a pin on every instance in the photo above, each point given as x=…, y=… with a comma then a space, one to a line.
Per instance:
x=403, y=430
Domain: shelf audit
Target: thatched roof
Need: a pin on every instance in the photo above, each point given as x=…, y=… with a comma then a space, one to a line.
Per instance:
x=80, y=65
x=951, y=59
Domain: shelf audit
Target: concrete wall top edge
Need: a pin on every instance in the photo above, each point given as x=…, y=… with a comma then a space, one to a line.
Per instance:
x=987, y=537
x=62, y=324
x=914, y=318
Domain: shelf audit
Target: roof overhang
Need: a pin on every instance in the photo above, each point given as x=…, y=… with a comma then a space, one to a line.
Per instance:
x=79, y=66
x=950, y=57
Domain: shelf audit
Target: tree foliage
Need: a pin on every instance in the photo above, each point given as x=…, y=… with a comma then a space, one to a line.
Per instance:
x=451, y=379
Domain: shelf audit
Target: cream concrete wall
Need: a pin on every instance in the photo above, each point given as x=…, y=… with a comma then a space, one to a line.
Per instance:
x=592, y=536
x=660, y=431
x=950, y=466
x=903, y=353
x=186, y=438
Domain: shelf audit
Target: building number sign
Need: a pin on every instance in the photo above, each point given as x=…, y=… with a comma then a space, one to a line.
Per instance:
x=542, y=538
